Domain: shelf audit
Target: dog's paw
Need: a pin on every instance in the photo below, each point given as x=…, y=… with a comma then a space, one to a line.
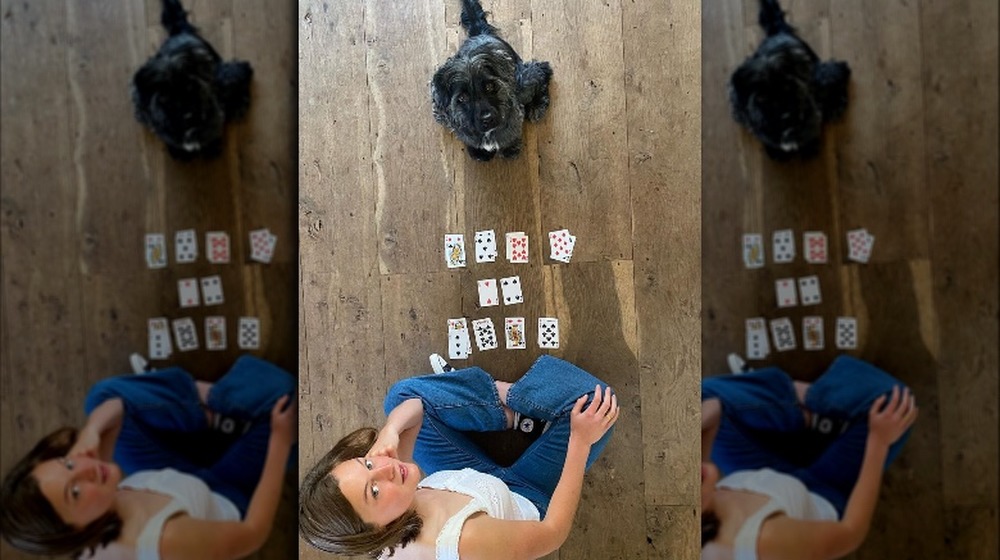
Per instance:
x=479, y=154
x=180, y=154
x=535, y=111
x=512, y=151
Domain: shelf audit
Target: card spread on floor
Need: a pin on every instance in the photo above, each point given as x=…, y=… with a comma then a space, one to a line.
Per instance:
x=217, y=246
x=160, y=347
x=513, y=328
x=548, y=332
x=757, y=345
x=783, y=246
x=809, y=290
x=187, y=290
x=211, y=290
x=847, y=333
x=185, y=334
x=262, y=243
x=156, y=250
x=753, y=250
x=561, y=245
x=459, y=345
x=517, y=247
x=486, y=334
x=785, y=290
x=859, y=245
x=511, y=289
x=812, y=333
x=488, y=292
x=186, y=246
x=249, y=338
x=815, y=246
x=783, y=334
x=486, y=246
x=215, y=333
x=454, y=250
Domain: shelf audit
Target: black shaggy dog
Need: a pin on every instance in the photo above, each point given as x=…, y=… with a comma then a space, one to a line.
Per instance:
x=484, y=92
x=185, y=94
x=783, y=93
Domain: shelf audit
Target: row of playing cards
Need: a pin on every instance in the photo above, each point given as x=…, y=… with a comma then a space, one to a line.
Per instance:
x=814, y=247
x=808, y=291
x=508, y=290
x=217, y=247
x=459, y=338
x=486, y=248
x=783, y=335
x=186, y=335
x=211, y=291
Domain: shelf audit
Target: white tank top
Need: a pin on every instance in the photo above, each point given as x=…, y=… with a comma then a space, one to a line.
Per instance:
x=188, y=494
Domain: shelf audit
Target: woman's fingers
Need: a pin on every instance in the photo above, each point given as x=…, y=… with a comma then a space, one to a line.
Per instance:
x=578, y=406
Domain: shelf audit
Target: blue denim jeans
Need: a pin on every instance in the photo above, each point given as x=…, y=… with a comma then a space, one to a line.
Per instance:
x=466, y=400
x=763, y=425
x=164, y=422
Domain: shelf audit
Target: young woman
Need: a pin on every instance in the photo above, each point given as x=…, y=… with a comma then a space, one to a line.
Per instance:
x=801, y=464
x=166, y=493
x=367, y=496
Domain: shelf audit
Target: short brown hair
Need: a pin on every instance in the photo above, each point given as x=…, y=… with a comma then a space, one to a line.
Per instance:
x=327, y=520
x=29, y=522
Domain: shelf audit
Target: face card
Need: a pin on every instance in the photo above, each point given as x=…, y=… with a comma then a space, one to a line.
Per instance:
x=561, y=245
x=517, y=247
x=187, y=290
x=185, y=334
x=514, y=332
x=211, y=290
x=812, y=333
x=815, y=246
x=186, y=246
x=160, y=347
x=486, y=334
x=261, y=245
x=488, y=292
x=459, y=345
x=215, y=333
x=486, y=246
x=783, y=334
x=847, y=333
x=249, y=337
x=511, y=288
x=454, y=250
x=156, y=250
x=809, y=290
x=753, y=250
x=757, y=346
x=783, y=246
x=548, y=332
x=785, y=290
x=217, y=246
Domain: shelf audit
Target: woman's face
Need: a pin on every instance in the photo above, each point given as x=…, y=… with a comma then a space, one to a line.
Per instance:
x=80, y=489
x=709, y=477
x=380, y=488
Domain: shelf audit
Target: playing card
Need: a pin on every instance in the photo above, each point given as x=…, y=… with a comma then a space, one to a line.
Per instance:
x=187, y=290
x=511, y=289
x=859, y=245
x=847, y=333
x=217, y=246
x=783, y=246
x=548, y=332
x=783, y=334
x=486, y=246
x=459, y=345
x=757, y=345
x=488, y=296
x=211, y=290
x=785, y=289
x=809, y=290
x=249, y=337
x=561, y=245
x=815, y=247
x=186, y=246
x=517, y=247
x=262, y=245
x=185, y=334
x=156, y=250
x=812, y=333
x=514, y=332
x=753, y=250
x=215, y=333
x=486, y=334
x=454, y=250
x=160, y=347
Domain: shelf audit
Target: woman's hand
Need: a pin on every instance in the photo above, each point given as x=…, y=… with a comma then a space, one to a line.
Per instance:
x=284, y=421
x=602, y=413
x=88, y=443
x=386, y=445
x=888, y=423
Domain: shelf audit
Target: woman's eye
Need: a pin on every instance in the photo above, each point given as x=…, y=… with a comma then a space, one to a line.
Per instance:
x=69, y=464
x=374, y=491
x=74, y=492
x=369, y=465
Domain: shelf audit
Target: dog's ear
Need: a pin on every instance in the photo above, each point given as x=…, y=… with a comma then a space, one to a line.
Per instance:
x=830, y=81
x=740, y=89
x=143, y=87
x=441, y=95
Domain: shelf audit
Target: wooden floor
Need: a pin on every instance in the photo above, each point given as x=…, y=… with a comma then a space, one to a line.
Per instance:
x=615, y=161
x=83, y=183
x=915, y=162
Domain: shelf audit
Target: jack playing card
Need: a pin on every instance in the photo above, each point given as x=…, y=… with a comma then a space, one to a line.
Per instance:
x=486, y=334
x=185, y=334
x=847, y=333
x=785, y=290
x=815, y=247
x=186, y=246
x=217, y=246
x=757, y=345
x=486, y=246
x=459, y=345
x=783, y=334
x=783, y=246
x=812, y=333
x=187, y=290
x=156, y=250
x=488, y=292
x=514, y=332
x=211, y=290
x=548, y=332
x=809, y=290
x=215, y=333
x=249, y=338
x=753, y=250
x=511, y=288
x=159, y=339
x=454, y=250
x=517, y=247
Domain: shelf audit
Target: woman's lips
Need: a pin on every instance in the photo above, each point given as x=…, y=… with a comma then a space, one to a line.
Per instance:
x=402, y=471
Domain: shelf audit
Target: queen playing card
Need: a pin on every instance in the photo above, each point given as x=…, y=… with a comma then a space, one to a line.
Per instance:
x=156, y=250
x=812, y=333
x=753, y=250
x=514, y=332
x=454, y=250
x=215, y=333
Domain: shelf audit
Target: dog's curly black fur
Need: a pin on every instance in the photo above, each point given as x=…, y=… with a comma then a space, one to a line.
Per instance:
x=485, y=91
x=185, y=94
x=783, y=93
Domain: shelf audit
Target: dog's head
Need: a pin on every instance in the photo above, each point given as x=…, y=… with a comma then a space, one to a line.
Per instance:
x=174, y=93
x=474, y=93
